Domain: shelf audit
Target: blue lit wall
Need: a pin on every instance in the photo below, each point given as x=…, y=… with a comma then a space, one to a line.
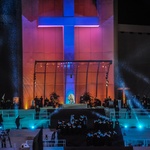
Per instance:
x=69, y=47
x=10, y=49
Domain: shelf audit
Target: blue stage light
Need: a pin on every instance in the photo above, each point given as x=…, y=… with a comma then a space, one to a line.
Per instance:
x=32, y=127
x=140, y=126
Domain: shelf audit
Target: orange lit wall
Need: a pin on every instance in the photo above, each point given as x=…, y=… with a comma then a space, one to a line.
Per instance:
x=47, y=43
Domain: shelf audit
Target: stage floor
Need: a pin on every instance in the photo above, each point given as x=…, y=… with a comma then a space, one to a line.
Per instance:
x=130, y=127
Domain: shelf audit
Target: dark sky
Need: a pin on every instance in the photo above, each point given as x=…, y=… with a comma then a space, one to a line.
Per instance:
x=136, y=12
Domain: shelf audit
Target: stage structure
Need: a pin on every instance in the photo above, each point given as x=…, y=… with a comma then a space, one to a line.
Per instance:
x=85, y=76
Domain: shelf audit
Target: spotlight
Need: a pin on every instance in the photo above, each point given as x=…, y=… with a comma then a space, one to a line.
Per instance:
x=32, y=127
x=126, y=126
x=140, y=126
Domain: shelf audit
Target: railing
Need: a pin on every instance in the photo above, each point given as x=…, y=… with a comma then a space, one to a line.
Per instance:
x=29, y=117
x=54, y=143
x=134, y=114
x=137, y=142
x=50, y=143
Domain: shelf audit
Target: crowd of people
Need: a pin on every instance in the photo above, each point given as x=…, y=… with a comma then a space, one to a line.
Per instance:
x=103, y=133
x=76, y=125
x=103, y=124
x=86, y=98
x=4, y=136
x=17, y=122
x=8, y=104
x=41, y=102
x=144, y=101
x=100, y=138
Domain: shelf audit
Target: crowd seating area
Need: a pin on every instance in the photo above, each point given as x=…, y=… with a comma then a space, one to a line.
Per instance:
x=103, y=131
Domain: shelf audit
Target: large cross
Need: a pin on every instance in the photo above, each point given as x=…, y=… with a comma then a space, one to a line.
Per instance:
x=68, y=22
x=123, y=89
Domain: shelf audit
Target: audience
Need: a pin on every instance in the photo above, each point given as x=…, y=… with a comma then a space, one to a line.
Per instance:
x=102, y=134
x=74, y=126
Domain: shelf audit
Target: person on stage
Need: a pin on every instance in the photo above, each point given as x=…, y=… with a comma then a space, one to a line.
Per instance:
x=37, y=111
x=17, y=121
x=71, y=99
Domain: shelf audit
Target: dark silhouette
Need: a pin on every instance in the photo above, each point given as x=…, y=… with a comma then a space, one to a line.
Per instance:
x=53, y=138
x=41, y=101
x=37, y=112
x=53, y=135
x=3, y=141
x=1, y=120
x=17, y=121
x=128, y=112
x=117, y=112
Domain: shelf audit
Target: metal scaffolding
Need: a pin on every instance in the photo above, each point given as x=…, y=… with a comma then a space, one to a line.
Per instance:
x=49, y=75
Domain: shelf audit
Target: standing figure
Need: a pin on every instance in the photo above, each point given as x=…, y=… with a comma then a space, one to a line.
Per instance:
x=33, y=104
x=17, y=121
x=1, y=120
x=3, y=140
x=128, y=112
x=46, y=102
x=71, y=99
x=36, y=100
x=117, y=112
x=37, y=112
x=41, y=101
x=53, y=138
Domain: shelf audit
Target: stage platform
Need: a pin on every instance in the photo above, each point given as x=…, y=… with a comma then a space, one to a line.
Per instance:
x=74, y=106
x=53, y=115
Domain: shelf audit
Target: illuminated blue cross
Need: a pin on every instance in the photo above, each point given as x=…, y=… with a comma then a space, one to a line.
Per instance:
x=68, y=22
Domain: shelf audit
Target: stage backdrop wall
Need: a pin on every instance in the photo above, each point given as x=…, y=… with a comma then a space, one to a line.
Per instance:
x=47, y=43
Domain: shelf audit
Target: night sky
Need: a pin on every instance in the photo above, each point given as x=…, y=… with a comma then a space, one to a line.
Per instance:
x=134, y=48
x=135, y=12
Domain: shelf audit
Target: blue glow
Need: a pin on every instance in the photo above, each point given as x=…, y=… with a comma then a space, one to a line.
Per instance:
x=140, y=126
x=14, y=60
x=126, y=126
x=68, y=8
x=69, y=21
x=12, y=40
x=69, y=43
x=55, y=111
x=32, y=127
x=100, y=116
x=133, y=100
x=70, y=88
x=137, y=74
